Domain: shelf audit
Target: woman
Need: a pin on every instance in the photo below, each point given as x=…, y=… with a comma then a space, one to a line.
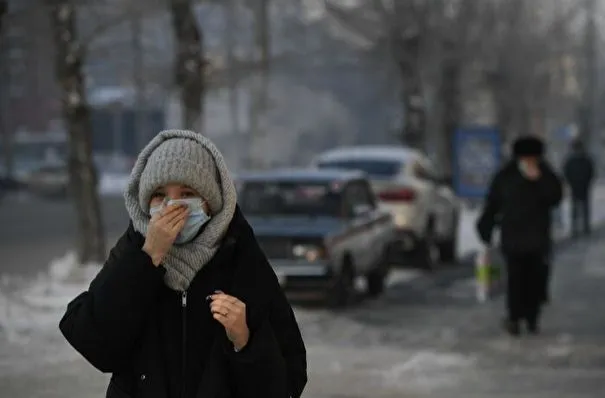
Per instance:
x=186, y=304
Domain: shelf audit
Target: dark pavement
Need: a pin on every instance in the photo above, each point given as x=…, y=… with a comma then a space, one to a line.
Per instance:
x=35, y=231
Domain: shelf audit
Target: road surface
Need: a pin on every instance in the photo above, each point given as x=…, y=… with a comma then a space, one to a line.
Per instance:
x=424, y=338
x=35, y=231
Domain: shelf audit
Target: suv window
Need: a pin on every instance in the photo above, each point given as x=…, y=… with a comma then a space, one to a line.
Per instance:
x=376, y=168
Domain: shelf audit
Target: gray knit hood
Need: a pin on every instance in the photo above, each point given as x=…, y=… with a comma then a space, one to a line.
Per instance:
x=184, y=261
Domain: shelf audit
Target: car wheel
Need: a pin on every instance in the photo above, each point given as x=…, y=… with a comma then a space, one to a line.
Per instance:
x=342, y=291
x=448, y=248
x=428, y=252
x=376, y=279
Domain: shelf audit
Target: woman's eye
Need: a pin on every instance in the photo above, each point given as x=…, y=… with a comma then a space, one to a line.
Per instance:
x=157, y=195
x=188, y=195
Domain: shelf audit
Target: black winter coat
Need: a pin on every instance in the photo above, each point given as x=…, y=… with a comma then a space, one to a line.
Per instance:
x=579, y=173
x=522, y=208
x=131, y=325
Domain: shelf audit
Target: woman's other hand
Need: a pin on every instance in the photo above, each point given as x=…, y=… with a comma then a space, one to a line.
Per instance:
x=231, y=313
x=163, y=230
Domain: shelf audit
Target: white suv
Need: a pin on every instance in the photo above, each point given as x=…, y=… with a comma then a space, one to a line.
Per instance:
x=424, y=208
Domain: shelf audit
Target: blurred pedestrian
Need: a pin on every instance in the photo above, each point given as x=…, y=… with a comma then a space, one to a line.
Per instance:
x=520, y=201
x=579, y=174
x=187, y=305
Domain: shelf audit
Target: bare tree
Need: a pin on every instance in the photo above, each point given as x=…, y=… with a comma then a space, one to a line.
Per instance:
x=190, y=63
x=76, y=113
x=420, y=37
x=523, y=44
x=6, y=139
x=138, y=77
x=259, y=92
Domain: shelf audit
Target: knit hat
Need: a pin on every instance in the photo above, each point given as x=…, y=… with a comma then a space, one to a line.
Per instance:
x=181, y=161
x=528, y=146
x=189, y=158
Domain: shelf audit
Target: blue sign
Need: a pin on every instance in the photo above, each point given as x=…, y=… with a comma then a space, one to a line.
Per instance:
x=477, y=157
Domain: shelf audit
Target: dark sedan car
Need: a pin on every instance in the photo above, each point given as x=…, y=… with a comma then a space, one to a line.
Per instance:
x=320, y=229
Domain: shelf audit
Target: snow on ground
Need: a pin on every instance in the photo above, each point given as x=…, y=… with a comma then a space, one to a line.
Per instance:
x=383, y=371
x=35, y=307
x=30, y=313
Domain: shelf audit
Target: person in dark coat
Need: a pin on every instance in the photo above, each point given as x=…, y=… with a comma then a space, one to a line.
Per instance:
x=186, y=305
x=520, y=202
x=579, y=174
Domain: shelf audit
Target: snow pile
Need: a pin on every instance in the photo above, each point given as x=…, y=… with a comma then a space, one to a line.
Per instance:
x=426, y=370
x=468, y=240
x=384, y=371
x=30, y=309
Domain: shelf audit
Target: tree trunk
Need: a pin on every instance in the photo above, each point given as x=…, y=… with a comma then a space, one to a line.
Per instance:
x=231, y=29
x=76, y=112
x=259, y=91
x=7, y=142
x=406, y=53
x=452, y=108
x=138, y=77
x=190, y=64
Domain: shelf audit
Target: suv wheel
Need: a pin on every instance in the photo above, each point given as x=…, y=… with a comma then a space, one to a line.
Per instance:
x=427, y=255
x=447, y=249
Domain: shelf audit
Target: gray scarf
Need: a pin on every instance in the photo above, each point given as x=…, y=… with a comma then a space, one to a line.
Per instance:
x=183, y=262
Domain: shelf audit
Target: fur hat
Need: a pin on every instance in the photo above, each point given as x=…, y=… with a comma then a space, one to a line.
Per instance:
x=528, y=146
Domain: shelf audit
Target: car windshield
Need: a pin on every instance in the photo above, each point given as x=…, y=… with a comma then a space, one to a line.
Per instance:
x=372, y=167
x=271, y=198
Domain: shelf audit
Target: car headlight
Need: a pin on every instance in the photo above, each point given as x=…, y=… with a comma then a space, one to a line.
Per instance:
x=310, y=253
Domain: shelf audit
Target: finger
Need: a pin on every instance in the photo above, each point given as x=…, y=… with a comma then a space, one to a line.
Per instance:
x=174, y=216
x=169, y=210
x=227, y=303
x=222, y=309
x=178, y=219
x=223, y=296
x=178, y=226
x=222, y=319
x=234, y=313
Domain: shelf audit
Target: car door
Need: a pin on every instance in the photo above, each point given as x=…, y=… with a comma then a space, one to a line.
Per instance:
x=425, y=188
x=381, y=225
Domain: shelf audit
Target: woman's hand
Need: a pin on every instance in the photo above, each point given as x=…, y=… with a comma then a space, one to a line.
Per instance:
x=231, y=313
x=163, y=230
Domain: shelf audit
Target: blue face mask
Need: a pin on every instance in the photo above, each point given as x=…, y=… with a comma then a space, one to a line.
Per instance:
x=196, y=219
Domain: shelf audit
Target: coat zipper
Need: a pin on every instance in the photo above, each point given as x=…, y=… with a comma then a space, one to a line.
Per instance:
x=184, y=342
